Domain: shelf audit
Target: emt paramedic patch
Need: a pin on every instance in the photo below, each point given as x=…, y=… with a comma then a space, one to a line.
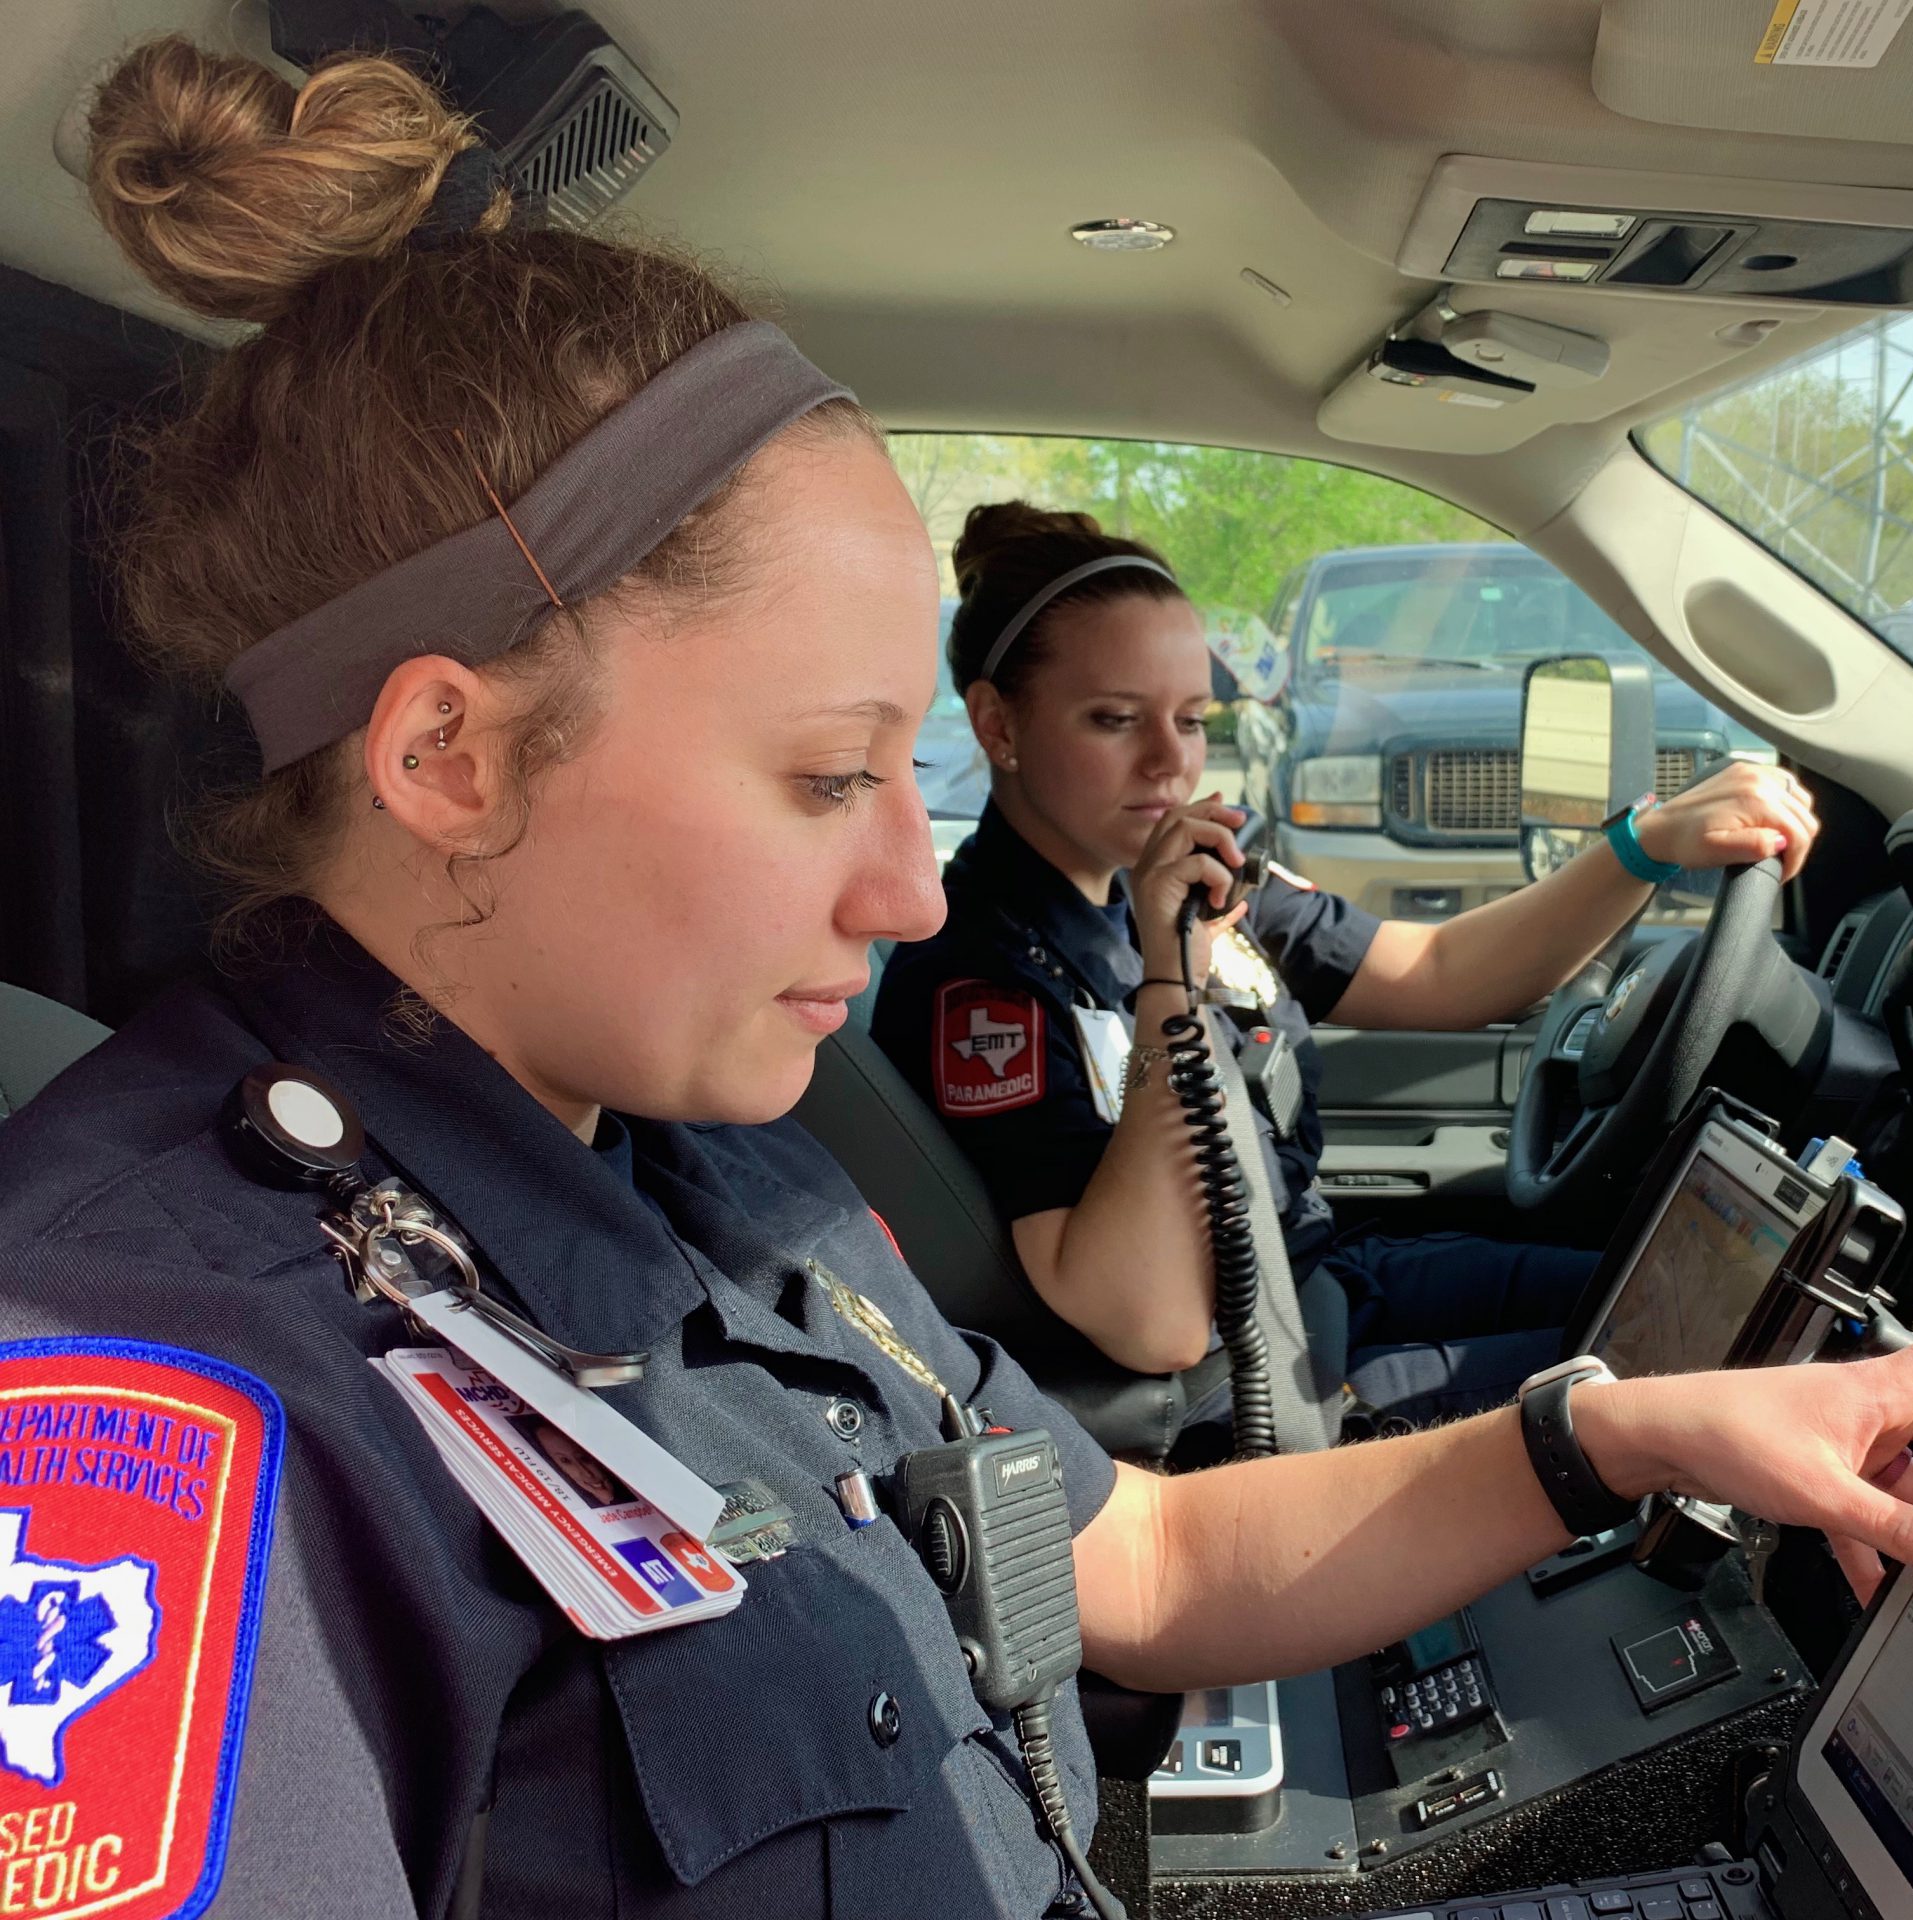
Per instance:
x=988, y=1048
x=137, y=1486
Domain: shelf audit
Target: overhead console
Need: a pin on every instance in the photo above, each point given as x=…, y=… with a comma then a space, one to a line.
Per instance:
x=1504, y=223
x=1502, y=238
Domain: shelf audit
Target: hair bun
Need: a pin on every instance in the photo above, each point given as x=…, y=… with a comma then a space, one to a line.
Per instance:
x=231, y=191
x=990, y=529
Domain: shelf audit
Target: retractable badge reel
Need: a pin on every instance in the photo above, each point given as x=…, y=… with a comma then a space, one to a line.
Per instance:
x=289, y=1128
x=609, y=1523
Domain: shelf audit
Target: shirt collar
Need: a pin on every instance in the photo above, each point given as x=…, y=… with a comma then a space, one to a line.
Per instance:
x=593, y=1260
x=998, y=868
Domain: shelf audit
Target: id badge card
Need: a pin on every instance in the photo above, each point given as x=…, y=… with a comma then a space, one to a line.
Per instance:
x=1105, y=1042
x=604, y=1433
x=612, y=1561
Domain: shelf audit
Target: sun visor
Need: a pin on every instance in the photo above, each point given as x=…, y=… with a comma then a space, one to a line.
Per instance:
x=1376, y=412
x=1816, y=69
x=1460, y=379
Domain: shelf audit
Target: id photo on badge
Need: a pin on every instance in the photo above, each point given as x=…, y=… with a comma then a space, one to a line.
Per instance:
x=593, y=1481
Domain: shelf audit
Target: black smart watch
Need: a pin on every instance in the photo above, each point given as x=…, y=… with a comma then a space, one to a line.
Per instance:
x=1585, y=1502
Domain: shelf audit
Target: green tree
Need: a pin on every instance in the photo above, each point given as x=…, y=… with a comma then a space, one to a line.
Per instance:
x=1232, y=523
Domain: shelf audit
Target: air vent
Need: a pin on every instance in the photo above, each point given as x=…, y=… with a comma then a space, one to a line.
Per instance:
x=1839, y=946
x=592, y=153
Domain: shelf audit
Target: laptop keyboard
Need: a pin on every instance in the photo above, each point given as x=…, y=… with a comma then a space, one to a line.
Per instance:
x=1696, y=1893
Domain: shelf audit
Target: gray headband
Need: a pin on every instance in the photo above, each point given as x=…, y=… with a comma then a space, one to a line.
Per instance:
x=1037, y=602
x=585, y=522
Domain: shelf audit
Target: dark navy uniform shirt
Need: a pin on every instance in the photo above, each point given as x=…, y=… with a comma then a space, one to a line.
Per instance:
x=979, y=1019
x=409, y=1670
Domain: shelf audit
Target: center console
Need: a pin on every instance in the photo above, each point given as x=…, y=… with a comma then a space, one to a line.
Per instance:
x=1587, y=1717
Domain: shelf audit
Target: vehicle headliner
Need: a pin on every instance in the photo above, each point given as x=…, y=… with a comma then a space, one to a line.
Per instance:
x=903, y=179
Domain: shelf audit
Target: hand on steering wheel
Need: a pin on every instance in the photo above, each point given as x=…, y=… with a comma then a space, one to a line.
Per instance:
x=1635, y=1059
x=1737, y=816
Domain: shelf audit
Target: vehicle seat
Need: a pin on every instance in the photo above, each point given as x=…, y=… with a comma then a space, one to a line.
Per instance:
x=903, y=1161
x=39, y=1039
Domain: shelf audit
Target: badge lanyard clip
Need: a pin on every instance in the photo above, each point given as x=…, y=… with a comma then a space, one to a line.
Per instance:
x=371, y=1237
x=289, y=1128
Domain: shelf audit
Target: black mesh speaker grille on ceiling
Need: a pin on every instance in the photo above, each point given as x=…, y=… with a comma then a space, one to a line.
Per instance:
x=590, y=155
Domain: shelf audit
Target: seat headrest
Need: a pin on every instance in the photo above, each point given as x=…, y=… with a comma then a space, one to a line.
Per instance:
x=39, y=1039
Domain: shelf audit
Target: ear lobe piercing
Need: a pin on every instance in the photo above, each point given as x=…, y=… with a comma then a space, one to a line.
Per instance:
x=378, y=805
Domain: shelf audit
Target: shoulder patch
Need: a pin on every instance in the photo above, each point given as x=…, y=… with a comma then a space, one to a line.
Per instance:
x=988, y=1048
x=137, y=1488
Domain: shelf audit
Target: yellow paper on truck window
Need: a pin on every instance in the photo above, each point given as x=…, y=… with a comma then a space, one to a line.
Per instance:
x=1831, y=33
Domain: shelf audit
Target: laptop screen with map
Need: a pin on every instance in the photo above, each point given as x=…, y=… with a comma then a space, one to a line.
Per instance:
x=1704, y=1261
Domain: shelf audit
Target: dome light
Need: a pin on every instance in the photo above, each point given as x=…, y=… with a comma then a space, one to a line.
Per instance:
x=1123, y=236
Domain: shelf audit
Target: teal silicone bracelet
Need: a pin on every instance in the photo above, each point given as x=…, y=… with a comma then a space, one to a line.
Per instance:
x=1628, y=850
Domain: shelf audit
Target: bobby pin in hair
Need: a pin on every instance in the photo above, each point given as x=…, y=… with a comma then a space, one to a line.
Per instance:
x=498, y=507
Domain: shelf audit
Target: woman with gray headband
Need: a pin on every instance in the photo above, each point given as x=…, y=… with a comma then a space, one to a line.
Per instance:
x=562, y=597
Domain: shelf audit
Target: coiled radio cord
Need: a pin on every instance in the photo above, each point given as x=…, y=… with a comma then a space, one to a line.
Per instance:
x=1194, y=1082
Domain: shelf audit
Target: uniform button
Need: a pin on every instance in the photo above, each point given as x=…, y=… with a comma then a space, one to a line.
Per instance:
x=846, y=1419
x=886, y=1723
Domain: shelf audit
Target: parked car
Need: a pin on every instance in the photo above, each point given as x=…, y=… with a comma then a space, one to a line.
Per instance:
x=1387, y=759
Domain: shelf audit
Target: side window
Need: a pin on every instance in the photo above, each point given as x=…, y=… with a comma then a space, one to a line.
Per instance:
x=1386, y=755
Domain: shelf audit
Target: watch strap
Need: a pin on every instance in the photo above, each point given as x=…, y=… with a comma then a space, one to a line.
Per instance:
x=1625, y=839
x=1585, y=1502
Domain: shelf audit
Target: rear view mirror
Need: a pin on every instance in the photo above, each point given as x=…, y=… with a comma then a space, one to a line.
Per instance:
x=1587, y=750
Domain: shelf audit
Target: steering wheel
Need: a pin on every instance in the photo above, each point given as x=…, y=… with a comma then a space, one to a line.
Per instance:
x=1637, y=1057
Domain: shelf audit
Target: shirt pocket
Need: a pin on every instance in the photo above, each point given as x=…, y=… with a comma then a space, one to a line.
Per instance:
x=834, y=1690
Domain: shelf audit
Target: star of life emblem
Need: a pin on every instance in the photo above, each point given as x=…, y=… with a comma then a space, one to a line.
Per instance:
x=68, y=1636
x=137, y=1489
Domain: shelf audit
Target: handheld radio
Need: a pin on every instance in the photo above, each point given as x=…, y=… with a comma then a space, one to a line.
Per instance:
x=1248, y=877
x=986, y=1514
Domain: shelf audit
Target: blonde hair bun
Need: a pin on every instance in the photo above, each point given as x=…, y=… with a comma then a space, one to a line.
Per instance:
x=232, y=191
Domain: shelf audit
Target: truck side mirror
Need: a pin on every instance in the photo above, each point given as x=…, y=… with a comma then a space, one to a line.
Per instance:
x=1587, y=750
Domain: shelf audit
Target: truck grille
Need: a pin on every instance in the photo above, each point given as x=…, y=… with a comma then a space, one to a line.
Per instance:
x=1472, y=791
x=1457, y=790
x=1673, y=768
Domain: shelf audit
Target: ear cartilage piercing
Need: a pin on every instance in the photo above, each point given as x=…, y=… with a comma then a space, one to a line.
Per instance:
x=411, y=760
x=444, y=706
x=439, y=743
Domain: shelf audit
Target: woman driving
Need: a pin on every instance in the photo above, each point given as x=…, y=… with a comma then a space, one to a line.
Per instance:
x=559, y=593
x=1087, y=677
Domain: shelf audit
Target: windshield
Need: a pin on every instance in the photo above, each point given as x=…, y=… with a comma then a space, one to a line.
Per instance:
x=1445, y=610
x=1815, y=460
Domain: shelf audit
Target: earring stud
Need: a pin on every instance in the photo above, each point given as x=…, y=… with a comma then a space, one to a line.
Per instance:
x=439, y=743
x=378, y=805
x=411, y=761
x=444, y=706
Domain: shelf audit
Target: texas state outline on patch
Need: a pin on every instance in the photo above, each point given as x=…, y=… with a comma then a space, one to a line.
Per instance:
x=68, y=1636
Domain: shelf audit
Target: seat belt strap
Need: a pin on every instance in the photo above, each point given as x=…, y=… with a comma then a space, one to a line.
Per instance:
x=1305, y=1386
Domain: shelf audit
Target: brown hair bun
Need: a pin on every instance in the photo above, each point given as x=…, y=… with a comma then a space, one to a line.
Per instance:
x=232, y=192
x=1007, y=553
